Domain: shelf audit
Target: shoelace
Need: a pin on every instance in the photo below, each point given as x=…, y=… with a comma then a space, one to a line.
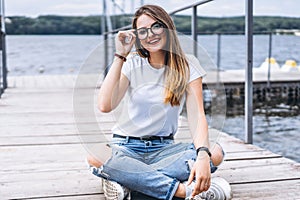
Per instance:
x=209, y=195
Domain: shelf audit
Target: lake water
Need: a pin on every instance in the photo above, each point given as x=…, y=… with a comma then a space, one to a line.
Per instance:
x=31, y=55
x=65, y=54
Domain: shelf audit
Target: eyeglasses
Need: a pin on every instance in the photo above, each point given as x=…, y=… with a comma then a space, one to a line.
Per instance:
x=156, y=28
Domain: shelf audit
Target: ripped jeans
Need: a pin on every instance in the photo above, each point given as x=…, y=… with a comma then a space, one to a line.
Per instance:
x=154, y=168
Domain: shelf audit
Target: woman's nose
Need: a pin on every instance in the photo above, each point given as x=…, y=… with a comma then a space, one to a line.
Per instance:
x=150, y=34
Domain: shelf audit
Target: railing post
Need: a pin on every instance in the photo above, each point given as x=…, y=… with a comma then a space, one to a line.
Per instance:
x=194, y=30
x=248, y=73
x=4, y=67
x=219, y=52
x=2, y=71
x=218, y=60
x=270, y=55
x=3, y=79
x=105, y=37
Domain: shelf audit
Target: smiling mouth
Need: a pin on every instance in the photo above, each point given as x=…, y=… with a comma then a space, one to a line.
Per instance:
x=154, y=41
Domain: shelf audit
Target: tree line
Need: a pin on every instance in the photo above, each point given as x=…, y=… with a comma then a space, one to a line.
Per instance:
x=90, y=25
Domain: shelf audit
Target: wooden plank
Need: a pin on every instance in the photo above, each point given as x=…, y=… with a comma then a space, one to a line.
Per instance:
x=50, y=184
x=250, y=155
x=41, y=81
x=78, y=197
x=253, y=174
x=44, y=140
x=289, y=190
x=48, y=175
x=32, y=119
x=253, y=163
x=23, y=167
x=38, y=130
x=46, y=153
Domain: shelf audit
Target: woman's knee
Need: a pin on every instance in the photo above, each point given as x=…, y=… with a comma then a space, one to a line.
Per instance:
x=94, y=161
x=217, y=154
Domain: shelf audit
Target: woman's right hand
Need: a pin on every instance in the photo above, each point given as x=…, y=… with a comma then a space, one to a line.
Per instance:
x=124, y=42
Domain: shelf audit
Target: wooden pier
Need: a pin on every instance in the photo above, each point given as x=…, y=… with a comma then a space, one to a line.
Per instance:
x=42, y=156
x=283, y=87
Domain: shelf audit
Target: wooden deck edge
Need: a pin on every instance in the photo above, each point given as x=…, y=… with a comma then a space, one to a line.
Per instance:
x=265, y=181
x=64, y=196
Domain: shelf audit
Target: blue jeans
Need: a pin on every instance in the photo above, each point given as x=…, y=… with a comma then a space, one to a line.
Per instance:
x=154, y=168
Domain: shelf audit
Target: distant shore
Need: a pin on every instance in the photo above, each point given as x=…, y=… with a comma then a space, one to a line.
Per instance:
x=91, y=25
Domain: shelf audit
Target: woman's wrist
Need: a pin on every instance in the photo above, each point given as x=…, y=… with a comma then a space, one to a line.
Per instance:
x=121, y=53
x=203, y=149
x=203, y=157
x=120, y=56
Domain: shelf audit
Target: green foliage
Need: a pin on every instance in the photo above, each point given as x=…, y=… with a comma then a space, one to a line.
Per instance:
x=53, y=24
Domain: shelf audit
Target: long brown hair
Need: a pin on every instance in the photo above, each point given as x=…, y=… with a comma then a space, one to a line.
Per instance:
x=177, y=71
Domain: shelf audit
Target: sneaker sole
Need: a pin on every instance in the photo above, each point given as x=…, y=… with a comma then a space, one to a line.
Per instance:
x=224, y=185
x=111, y=190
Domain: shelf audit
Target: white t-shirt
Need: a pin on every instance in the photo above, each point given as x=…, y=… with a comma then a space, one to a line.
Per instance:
x=144, y=112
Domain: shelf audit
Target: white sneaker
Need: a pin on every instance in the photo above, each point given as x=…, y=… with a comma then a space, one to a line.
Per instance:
x=114, y=191
x=218, y=190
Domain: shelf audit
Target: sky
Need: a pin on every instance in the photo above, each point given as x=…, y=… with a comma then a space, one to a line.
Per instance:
x=216, y=8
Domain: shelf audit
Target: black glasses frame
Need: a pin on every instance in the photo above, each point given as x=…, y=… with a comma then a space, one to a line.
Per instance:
x=147, y=30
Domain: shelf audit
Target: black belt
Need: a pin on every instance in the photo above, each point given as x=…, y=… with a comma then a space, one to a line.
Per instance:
x=146, y=138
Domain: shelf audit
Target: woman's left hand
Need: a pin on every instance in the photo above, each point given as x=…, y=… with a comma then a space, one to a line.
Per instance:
x=200, y=170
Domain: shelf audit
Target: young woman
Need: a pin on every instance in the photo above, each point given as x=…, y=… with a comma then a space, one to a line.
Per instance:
x=157, y=79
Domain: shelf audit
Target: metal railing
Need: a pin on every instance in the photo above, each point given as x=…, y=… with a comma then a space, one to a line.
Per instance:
x=3, y=68
x=194, y=29
x=248, y=73
x=194, y=24
x=219, y=46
